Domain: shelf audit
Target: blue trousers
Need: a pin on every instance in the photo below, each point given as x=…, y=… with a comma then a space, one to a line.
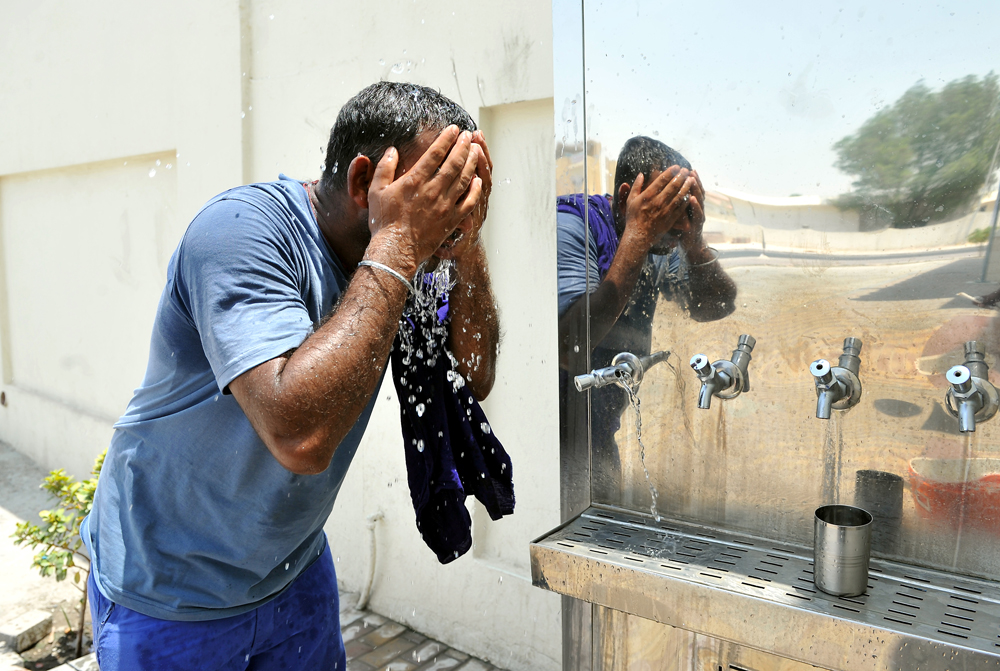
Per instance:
x=299, y=629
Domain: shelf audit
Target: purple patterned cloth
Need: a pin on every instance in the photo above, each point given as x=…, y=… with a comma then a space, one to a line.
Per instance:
x=601, y=221
x=449, y=445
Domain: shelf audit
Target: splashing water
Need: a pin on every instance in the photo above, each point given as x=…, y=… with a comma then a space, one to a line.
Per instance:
x=421, y=312
x=633, y=400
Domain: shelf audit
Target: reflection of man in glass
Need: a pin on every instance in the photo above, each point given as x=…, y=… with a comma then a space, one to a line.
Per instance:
x=645, y=240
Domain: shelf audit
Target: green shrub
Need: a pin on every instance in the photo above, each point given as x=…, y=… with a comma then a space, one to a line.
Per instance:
x=59, y=535
x=979, y=236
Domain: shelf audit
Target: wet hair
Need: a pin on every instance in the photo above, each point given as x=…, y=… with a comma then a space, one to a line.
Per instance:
x=386, y=114
x=643, y=154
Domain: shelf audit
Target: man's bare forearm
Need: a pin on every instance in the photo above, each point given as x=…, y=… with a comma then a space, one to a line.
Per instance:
x=303, y=405
x=713, y=292
x=609, y=298
x=475, y=323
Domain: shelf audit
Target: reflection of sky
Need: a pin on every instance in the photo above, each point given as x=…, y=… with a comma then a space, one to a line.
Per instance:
x=755, y=94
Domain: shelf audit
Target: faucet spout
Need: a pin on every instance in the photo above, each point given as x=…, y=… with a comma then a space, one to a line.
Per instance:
x=967, y=417
x=838, y=387
x=966, y=395
x=625, y=369
x=824, y=404
x=710, y=387
x=829, y=389
x=972, y=398
x=717, y=379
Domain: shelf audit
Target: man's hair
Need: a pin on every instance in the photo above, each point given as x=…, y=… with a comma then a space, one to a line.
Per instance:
x=643, y=154
x=386, y=114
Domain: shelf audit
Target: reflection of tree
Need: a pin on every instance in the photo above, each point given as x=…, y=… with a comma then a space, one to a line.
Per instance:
x=925, y=158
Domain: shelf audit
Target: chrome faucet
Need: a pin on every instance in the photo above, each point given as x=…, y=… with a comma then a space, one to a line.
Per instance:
x=719, y=378
x=838, y=387
x=972, y=397
x=625, y=366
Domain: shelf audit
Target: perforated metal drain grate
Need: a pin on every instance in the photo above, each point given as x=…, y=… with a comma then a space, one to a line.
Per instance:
x=912, y=601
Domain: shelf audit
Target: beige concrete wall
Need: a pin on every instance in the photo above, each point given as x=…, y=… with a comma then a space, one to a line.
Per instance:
x=117, y=123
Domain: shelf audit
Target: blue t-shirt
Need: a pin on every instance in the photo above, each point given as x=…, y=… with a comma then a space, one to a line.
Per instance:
x=193, y=518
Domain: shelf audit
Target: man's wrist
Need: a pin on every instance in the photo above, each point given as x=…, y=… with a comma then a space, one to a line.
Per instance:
x=637, y=241
x=387, y=248
x=699, y=253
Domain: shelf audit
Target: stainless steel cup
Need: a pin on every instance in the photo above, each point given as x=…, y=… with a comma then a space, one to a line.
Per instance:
x=842, y=546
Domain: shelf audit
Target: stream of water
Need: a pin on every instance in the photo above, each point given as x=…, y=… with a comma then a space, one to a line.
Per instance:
x=833, y=452
x=633, y=399
x=963, y=502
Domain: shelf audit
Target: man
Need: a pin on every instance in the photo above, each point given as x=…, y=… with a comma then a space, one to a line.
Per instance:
x=271, y=337
x=645, y=240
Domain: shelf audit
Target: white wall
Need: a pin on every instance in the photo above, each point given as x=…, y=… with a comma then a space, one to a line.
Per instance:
x=117, y=124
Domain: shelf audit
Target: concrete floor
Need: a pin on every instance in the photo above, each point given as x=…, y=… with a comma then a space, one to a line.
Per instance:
x=21, y=588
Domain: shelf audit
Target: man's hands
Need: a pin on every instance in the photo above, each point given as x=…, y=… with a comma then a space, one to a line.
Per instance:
x=466, y=235
x=661, y=207
x=413, y=214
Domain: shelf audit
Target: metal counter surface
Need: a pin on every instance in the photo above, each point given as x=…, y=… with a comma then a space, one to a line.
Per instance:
x=760, y=593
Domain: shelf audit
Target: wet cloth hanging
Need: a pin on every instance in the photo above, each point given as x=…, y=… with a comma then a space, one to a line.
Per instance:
x=449, y=445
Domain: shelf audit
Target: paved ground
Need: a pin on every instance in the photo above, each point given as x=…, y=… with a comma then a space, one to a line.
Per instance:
x=21, y=588
x=376, y=644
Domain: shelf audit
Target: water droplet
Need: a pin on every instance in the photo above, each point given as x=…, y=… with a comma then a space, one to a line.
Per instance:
x=500, y=581
x=420, y=446
x=169, y=166
x=243, y=115
x=381, y=61
x=412, y=399
x=271, y=17
x=247, y=658
x=485, y=427
x=420, y=409
x=336, y=164
x=286, y=565
x=576, y=348
x=152, y=172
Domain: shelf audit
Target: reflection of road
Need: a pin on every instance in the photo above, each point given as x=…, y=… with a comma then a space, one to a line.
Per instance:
x=773, y=257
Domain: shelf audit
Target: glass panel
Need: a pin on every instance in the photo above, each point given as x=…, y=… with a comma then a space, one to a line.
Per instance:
x=572, y=164
x=848, y=156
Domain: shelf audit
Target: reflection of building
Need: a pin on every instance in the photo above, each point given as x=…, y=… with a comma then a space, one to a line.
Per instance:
x=790, y=213
x=569, y=169
x=988, y=201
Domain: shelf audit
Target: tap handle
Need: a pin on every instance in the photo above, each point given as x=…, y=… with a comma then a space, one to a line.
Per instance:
x=975, y=360
x=851, y=358
x=651, y=360
x=821, y=371
x=960, y=379
x=596, y=378
x=701, y=365
x=741, y=357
